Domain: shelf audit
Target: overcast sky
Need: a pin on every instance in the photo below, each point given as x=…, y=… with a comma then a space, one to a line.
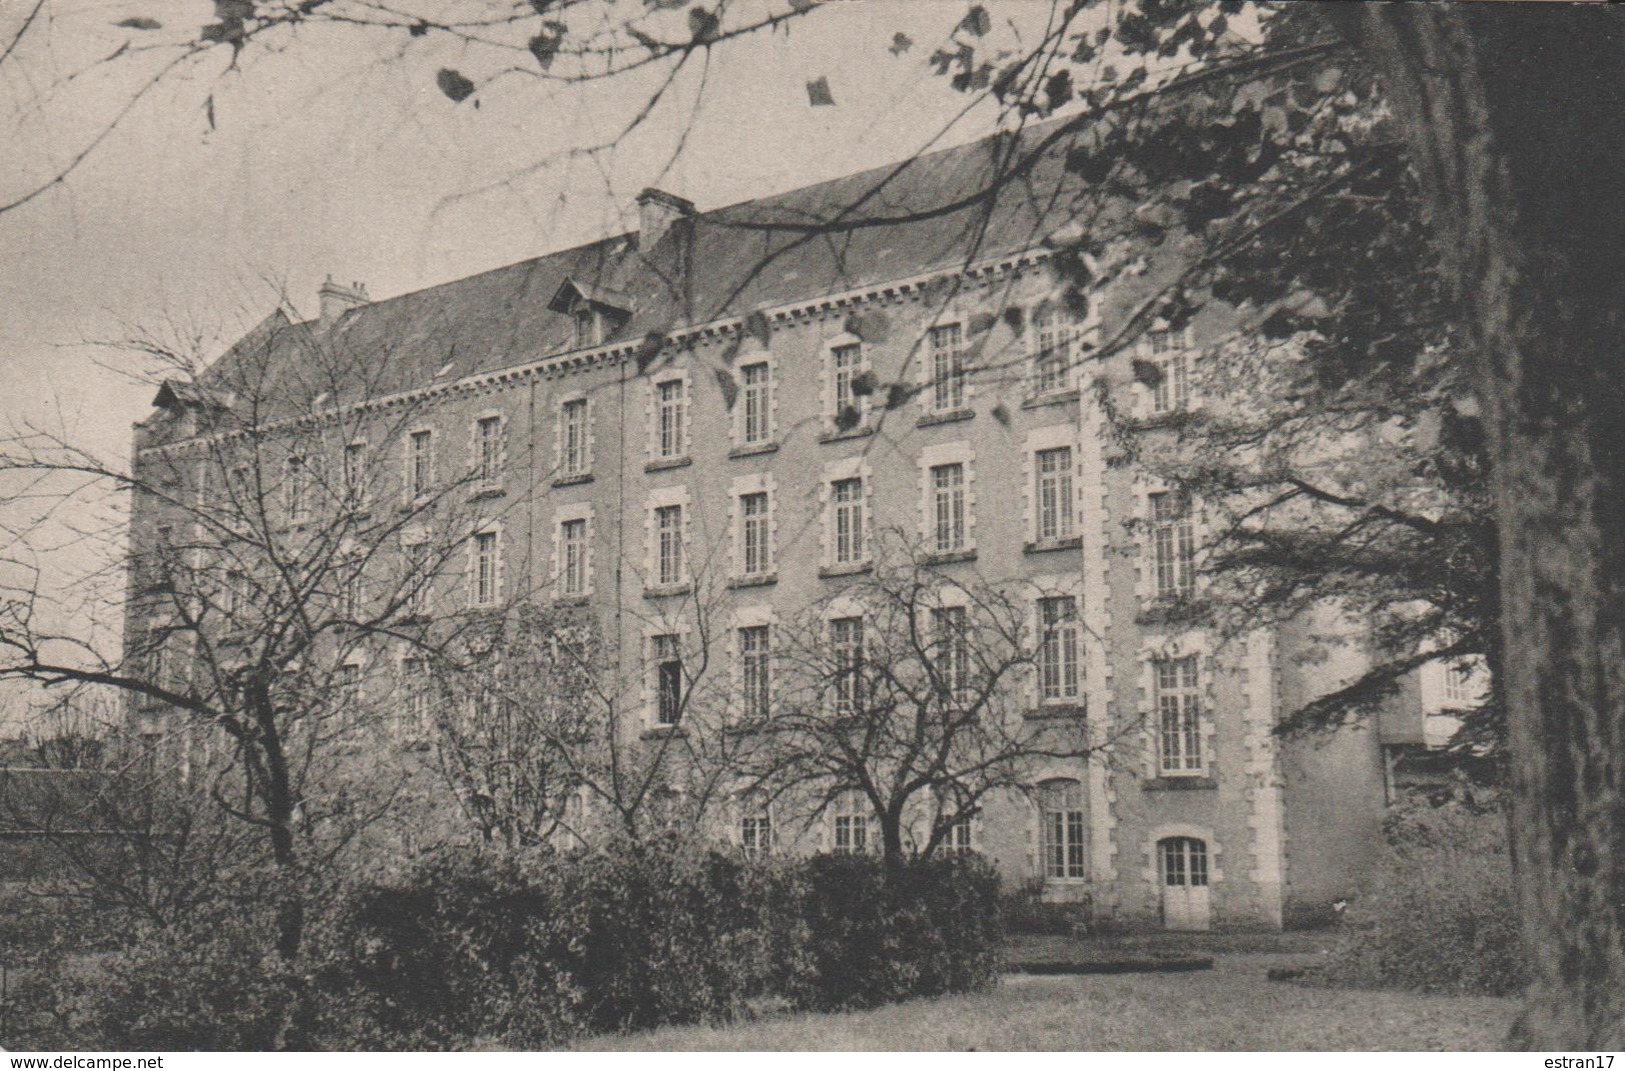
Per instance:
x=340, y=156
x=336, y=157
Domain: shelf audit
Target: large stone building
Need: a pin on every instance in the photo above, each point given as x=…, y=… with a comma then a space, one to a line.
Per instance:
x=710, y=405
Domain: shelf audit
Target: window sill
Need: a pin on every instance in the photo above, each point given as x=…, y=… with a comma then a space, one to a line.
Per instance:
x=1179, y=782
x=753, y=581
x=1044, y=546
x=1057, y=712
x=666, y=591
x=753, y=450
x=947, y=416
x=664, y=732
x=847, y=569
x=949, y=557
x=571, y=481
x=837, y=436
x=481, y=493
x=564, y=602
x=1051, y=397
x=665, y=464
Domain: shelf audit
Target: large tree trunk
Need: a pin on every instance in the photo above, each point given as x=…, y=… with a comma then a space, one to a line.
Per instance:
x=1514, y=119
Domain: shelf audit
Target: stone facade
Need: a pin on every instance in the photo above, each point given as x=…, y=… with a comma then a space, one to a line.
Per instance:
x=604, y=445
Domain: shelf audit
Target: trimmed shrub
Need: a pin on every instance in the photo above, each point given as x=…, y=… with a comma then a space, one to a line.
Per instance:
x=206, y=986
x=1439, y=916
x=876, y=937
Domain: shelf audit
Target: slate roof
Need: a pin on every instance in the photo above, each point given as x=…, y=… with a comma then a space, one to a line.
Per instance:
x=709, y=266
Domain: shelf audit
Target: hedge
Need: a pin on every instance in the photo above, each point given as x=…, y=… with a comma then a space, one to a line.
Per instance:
x=536, y=949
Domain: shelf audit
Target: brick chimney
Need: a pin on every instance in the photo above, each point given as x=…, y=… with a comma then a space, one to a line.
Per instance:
x=657, y=211
x=337, y=299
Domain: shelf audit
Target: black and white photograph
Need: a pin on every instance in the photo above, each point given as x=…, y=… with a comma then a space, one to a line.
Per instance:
x=799, y=525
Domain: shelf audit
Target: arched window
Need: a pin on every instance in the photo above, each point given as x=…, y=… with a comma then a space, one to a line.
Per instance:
x=1061, y=826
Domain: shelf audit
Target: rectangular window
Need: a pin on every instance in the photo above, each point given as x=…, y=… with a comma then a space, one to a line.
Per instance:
x=417, y=709
x=485, y=568
x=488, y=450
x=757, y=399
x=755, y=669
x=419, y=456
x=1173, y=543
x=573, y=556
x=755, y=535
x=350, y=681
x=419, y=580
x=573, y=437
x=947, y=368
x=355, y=474
x=846, y=643
x=1061, y=812
x=295, y=491
x=957, y=840
x=1457, y=684
x=948, y=507
x=1179, y=715
x=670, y=414
x=1052, y=354
x=950, y=635
x=1172, y=388
x=669, y=545
x=668, y=667
x=1058, y=671
x=851, y=824
x=848, y=495
x=756, y=833
x=237, y=595
x=354, y=587
x=1053, y=493
x=846, y=364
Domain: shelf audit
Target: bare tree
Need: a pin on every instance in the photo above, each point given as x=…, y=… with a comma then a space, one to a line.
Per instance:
x=284, y=565
x=922, y=694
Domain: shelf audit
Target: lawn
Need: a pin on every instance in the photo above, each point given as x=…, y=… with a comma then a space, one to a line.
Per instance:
x=1232, y=1006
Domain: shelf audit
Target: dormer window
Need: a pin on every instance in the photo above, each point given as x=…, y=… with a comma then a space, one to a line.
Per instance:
x=595, y=311
x=588, y=326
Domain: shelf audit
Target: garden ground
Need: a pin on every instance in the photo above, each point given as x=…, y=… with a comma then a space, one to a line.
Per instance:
x=1233, y=1006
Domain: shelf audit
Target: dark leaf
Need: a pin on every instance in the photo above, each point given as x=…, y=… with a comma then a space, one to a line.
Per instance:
x=976, y=21
x=1147, y=372
x=757, y=327
x=140, y=22
x=1015, y=320
x=896, y=396
x=418, y=29
x=540, y=6
x=1001, y=414
x=545, y=45
x=864, y=384
x=702, y=24
x=233, y=10
x=729, y=388
x=901, y=43
x=1059, y=88
x=847, y=418
x=453, y=84
x=981, y=323
x=803, y=5
x=818, y=94
x=208, y=110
